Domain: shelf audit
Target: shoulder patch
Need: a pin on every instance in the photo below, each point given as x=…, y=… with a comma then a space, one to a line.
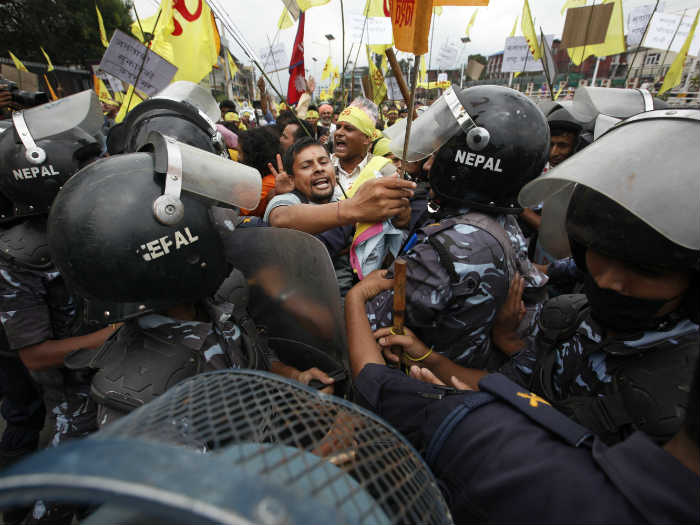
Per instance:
x=536, y=408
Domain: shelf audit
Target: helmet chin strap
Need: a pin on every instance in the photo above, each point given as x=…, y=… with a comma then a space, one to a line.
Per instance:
x=33, y=153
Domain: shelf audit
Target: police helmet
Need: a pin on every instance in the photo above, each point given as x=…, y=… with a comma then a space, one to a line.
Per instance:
x=489, y=141
x=44, y=148
x=184, y=111
x=135, y=228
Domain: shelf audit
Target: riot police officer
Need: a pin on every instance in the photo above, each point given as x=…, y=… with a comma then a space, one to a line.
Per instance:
x=164, y=270
x=486, y=143
x=41, y=317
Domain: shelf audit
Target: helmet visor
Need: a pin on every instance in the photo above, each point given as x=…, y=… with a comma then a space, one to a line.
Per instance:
x=648, y=164
x=194, y=94
x=219, y=179
x=432, y=129
x=82, y=111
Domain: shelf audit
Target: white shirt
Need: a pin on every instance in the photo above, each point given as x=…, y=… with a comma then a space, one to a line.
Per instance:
x=344, y=178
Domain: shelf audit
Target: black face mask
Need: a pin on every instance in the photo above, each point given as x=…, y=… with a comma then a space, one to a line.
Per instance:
x=622, y=312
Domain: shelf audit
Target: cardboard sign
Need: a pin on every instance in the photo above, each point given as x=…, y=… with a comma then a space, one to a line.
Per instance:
x=474, y=69
x=637, y=21
x=25, y=81
x=585, y=26
x=126, y=56
x=274, y=58
x=670, y=31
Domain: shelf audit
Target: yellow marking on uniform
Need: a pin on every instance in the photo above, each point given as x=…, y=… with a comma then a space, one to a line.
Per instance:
x=534, y=398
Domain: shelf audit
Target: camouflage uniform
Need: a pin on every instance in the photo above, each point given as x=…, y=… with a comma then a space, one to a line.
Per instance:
x=35, y=306
x=451, y=305
x=220, y=343
x=588, y=367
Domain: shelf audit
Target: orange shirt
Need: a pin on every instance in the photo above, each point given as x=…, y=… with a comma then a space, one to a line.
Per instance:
x=268, y=184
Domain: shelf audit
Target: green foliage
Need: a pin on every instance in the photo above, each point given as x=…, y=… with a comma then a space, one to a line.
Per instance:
x=67, y=29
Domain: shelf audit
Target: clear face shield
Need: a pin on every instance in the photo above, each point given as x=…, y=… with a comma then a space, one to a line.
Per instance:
x=194, y=95
x=198, y=172
x=434, y=127
x=658, y=181
x=80, y=113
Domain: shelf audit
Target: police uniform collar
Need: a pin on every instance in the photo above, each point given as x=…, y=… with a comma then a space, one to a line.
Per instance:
x=674, y=496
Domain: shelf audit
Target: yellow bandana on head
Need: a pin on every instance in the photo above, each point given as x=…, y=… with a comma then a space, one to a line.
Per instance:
x=358, y=118
x=312, y=113
x=231, y=117
x=381, y=148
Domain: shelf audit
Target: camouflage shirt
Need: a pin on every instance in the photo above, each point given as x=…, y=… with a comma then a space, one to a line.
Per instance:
x=454, y=313
x=590, y=364
x=36, y=306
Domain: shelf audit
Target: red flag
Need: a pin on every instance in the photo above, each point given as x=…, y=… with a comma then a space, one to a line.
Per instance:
x=297, y=82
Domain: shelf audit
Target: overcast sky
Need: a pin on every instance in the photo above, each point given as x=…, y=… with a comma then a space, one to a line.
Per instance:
x=257, y=21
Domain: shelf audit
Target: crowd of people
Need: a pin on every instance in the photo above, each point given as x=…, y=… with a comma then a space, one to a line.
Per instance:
x=548, y=366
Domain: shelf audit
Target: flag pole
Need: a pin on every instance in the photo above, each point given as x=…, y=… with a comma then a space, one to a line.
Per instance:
x=342, y=21
x=545, y=65
x=636, y=51
x=409, y=117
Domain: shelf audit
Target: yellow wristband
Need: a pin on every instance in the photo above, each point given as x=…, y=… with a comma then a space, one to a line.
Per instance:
x=420, y=358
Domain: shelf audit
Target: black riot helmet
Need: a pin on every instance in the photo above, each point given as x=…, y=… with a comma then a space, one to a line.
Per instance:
x=44, y=147
x=488, y=141
x=184, y=111
x=561, y=119
x=136, y=228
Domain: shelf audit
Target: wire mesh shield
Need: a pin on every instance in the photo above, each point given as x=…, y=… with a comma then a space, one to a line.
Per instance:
x=328, y=451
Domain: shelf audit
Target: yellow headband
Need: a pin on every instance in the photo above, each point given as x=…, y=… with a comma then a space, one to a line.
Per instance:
x=358, y=118
x=231, y=117
x=312, y=113
x=381, y=147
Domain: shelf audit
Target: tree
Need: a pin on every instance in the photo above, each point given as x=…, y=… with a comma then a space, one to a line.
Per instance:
x=66, y=29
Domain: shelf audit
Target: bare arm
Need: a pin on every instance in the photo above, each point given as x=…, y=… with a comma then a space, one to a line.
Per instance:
x=52, y=352
x=532, y=218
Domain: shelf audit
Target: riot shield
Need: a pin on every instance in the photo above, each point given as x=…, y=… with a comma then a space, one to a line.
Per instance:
x=294, y=293
x=237, y=446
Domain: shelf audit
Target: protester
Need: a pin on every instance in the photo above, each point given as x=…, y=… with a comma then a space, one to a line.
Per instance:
x=325, y=114
x=351, y=142
x=257, y=148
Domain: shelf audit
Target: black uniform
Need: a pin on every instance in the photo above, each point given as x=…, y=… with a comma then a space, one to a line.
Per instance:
x=504, y=455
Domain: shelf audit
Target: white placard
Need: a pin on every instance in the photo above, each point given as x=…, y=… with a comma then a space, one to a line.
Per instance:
x=447, y=56
x=379, y=31
x=442, y=77
x=662, y=29
x=517, y=56
x=272, y=59
x=637, y=22
x=393, y=92
x=125, y=56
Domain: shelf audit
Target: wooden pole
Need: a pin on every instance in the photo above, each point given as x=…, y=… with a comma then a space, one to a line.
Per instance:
x=389, y=52
x=399, y=313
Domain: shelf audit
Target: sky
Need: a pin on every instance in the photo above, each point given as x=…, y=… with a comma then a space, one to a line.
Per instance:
x=257, y=21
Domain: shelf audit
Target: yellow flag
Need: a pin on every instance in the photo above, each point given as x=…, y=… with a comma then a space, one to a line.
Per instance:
x=186, y=36
x=515, y=27
x=101, y=24
x=572, y=3
x=558, y=93
x=528, y=29
x=423, y=71
x=51, y=91
x=285, y=21
x=233, y=68
x=375, y=8
x=18, y=63
x=308, y=4
x=471, y=22
x=134, y=100
x=48, y=60
x=675, y=72
x=410, y=22
x=377, y=79
x=101, y=90
x=326, y=69
x=614, y=42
